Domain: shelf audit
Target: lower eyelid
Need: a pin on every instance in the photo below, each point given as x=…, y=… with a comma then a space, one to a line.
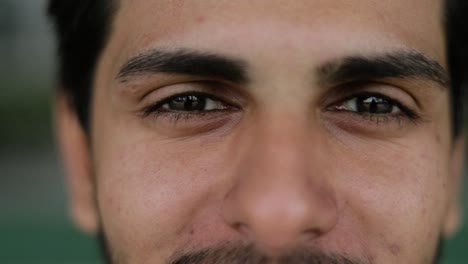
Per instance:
x=366, y=121
x=365, y=125
x=175, y=124
x=182, y=115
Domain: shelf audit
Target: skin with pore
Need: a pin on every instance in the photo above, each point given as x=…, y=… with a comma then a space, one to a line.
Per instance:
x=312, y=131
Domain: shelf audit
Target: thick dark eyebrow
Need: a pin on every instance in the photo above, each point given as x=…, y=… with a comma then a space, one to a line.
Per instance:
x=398, y=64
x=185, y=62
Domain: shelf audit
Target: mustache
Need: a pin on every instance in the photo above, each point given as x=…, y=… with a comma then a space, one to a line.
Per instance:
x=248, y=254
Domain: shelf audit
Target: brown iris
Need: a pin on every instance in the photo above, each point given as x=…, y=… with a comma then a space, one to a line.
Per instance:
x=373, y=105
x=187, y=103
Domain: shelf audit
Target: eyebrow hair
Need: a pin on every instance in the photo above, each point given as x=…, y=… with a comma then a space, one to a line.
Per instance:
x=397, y=64
x=185, y=62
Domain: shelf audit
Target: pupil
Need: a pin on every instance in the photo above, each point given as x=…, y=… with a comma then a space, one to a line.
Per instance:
x=187, y=103
x=374, y=105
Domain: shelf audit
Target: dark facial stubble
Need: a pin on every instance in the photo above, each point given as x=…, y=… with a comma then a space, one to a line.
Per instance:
x=238, y=253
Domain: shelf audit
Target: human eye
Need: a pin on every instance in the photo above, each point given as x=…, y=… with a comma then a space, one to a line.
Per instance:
x=375, y=107
x=188, y=105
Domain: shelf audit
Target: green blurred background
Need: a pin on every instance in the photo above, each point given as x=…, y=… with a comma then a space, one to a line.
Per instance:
x=34, y=222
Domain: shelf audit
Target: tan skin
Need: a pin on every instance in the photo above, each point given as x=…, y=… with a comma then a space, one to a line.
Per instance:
x=289, y=162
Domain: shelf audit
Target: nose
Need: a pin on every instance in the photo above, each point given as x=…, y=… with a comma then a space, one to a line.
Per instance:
x=281, y=197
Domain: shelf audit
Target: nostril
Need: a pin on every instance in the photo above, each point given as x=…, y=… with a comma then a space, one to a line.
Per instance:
x=243, y=229
x=310, y=234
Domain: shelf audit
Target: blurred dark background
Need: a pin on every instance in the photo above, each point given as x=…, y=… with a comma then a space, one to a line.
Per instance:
x=34, y=222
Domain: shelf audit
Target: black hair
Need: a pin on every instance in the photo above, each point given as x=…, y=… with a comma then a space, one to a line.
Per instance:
x=83, y=27
x=456, y=31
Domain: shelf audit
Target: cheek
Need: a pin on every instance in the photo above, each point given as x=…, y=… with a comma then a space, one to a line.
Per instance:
x=149, y=192
x=397, y=192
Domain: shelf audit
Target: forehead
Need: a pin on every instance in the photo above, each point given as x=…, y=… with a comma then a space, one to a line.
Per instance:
x=244, y=25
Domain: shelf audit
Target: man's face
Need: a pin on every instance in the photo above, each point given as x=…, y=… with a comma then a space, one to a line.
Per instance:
x=283, y=131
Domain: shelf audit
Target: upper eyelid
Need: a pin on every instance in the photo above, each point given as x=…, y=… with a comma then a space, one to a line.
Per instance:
x=383, y=87
x=212, y=89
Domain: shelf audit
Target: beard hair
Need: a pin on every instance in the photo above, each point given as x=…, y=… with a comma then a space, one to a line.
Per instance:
x=239, y=253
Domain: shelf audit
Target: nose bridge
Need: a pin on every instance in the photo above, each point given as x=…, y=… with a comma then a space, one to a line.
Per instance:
x=280, y=198
x=277, y=148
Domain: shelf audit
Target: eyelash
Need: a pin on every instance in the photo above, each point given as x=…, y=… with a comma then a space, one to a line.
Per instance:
x=155, y=110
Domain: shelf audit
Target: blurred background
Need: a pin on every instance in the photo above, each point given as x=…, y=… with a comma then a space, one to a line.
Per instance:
x=34, y=222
